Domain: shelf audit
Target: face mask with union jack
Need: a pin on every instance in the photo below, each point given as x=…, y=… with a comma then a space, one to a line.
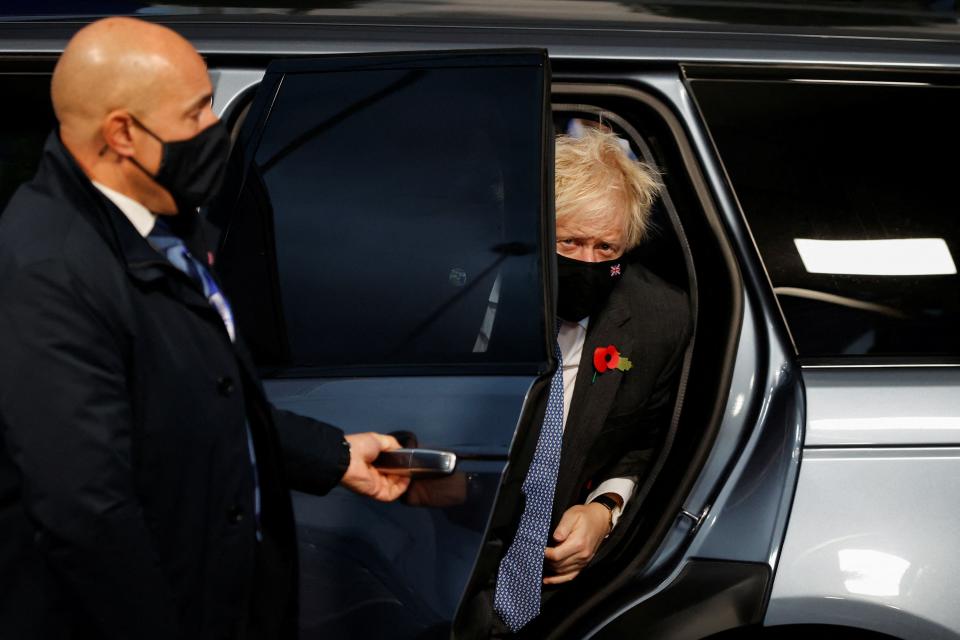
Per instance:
x=585, y=286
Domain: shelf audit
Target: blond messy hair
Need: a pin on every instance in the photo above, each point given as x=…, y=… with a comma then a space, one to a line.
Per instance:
x=594, y=177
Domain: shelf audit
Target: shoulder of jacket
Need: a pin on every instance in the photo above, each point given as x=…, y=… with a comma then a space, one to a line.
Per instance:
x=647, y=291
x=43, y=233
x=640, y=279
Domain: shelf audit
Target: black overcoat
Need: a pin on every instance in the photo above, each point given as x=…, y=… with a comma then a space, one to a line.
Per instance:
x=126, y=486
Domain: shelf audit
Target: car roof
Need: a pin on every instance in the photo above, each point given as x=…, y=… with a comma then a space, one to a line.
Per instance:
x=830, y=32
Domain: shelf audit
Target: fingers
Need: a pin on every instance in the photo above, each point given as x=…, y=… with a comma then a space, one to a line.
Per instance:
x=570, y=522
x=574, y=563
x=391, y=488
x=567, y=523
x=550, y=554
x=367, y=446
x=562, y=552
x=561, y=578
x=573, y=555
x=383, y=487
x=578, y=544
x=387, y=443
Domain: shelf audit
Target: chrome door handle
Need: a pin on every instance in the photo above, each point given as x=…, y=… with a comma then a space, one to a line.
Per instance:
x=417, y=463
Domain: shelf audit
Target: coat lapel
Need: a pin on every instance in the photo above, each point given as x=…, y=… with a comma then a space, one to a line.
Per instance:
x=591, y=398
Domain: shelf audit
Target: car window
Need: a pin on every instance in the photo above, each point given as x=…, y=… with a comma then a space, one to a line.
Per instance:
x=400, y=211
x=850, y=193
x=27, y=121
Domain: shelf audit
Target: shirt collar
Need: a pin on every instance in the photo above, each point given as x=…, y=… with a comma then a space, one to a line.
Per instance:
x=582, y=323
x=140, y=217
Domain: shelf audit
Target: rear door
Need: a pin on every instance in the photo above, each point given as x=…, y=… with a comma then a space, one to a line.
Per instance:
x=855, y=216
x=387, y=230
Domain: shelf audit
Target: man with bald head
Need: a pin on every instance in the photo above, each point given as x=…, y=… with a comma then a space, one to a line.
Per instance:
x=143, y=474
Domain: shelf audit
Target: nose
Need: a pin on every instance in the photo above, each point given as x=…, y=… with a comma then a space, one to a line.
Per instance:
x=208, y=117
x=585, y=254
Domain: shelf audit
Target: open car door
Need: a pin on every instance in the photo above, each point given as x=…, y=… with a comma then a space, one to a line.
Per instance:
x=387, y=235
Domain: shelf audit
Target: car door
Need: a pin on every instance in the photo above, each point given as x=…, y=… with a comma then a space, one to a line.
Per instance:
x=854, y=215
x=386, y=234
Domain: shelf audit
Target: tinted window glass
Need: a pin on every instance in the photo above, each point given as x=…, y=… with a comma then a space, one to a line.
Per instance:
x=825, y=171
x=406, y=210
x=26, y=123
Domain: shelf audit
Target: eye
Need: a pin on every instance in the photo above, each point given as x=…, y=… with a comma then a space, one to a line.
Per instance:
x=607, y=249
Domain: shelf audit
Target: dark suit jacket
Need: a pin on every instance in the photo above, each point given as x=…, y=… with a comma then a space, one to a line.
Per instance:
x=126, y=489
x=616, y=423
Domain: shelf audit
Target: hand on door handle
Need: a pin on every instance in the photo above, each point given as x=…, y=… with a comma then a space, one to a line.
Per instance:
x=363, y=477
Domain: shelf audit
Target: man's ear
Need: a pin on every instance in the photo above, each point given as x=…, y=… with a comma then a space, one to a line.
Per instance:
x=116, y=132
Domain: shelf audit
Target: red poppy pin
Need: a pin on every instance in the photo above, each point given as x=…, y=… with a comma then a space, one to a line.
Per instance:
x=605, y=358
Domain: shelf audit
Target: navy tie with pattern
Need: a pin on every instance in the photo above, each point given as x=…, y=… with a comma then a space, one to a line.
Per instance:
x=173, y=248
x=517, y=596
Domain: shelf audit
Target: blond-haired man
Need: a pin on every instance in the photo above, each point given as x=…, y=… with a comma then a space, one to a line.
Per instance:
x=621, y=341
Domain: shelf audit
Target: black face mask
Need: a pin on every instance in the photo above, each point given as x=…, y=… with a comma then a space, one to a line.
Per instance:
x=192, y=170
x=585, y=286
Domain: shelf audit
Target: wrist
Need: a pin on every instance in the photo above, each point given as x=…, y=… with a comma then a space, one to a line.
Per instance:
x=343, y=457
x=604, y=515
x=610, y=506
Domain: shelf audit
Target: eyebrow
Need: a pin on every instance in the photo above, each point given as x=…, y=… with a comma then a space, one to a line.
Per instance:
x=202, y=102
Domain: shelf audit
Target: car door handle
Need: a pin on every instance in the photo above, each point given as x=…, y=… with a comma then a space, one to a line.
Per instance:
x=417, y=463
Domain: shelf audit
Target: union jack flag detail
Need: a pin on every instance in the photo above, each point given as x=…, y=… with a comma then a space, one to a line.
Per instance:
x=615, y=270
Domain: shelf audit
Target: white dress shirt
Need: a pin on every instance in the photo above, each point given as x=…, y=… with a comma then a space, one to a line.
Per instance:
x=571, y=339
x=140, y=217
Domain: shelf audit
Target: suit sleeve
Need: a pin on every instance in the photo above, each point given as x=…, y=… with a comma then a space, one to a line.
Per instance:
x=657, y=413
x=67, y=422
x=315, y=457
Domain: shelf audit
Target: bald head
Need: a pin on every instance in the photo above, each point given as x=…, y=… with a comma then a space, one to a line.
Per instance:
x=115, y=75
x=118, y=63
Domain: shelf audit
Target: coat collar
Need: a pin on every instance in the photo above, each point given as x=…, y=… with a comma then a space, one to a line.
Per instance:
x=61, y=174
x=592, y=398
x=139, y=216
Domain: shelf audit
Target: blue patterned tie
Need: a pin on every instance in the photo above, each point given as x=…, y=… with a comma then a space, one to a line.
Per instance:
x=173, y=248
x=517, y=596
